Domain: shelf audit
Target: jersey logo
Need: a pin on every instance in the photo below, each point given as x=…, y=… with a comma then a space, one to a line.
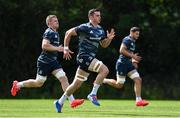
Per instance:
x=55, y=36
x=40, y=72
x=56, y=42
x=91, y=32
x=80, y=60
x=87, y=63
x=90, y=58
x=100, y=31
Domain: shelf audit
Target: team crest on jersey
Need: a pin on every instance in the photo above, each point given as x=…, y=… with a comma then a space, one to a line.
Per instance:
x=80, y=60
x=100, y=31
x=87, y=63
x=91, y=32
x=56, y=36
x=40, y=72
x=90, y=58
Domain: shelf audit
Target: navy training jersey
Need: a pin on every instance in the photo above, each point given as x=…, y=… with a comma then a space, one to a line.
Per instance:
x=90, y=37
x=130, y=44
x=53, y=37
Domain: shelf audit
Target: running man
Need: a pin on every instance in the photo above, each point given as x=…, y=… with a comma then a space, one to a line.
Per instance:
x=47, y=62
x=91, y=34
x=127, y=65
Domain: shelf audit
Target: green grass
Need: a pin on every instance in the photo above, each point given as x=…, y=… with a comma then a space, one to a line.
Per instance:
x=109, y=109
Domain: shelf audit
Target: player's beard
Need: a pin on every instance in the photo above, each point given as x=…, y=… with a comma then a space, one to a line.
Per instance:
x=57, y=26
x=136, y=37
x=99, y=21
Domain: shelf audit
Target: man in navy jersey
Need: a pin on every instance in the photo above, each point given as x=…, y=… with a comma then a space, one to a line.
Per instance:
x=47, y=62
x=127, y=65
x=91, y=35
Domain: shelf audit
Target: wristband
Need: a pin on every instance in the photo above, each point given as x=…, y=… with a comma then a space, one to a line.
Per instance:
x=66, y=47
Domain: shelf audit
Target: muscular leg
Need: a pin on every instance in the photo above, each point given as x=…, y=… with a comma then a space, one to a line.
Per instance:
x=137, y=90
x=60, y=75
x=134, y=75
x=112, y=83
x=30, y=83
x=103, y=72
x=73, y=87
x=80, y=77
x=78, y=80
x=137, y=86
x=100, y=68
x=118, y=83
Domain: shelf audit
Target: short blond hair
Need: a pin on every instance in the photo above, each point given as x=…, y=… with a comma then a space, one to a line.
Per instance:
x=48, y=19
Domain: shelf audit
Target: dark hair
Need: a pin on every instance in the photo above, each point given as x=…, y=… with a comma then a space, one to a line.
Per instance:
x=92, y=11
x=134, y=29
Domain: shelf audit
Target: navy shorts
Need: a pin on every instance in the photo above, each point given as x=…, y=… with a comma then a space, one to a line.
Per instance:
x=124, y=68
x=84, y=61
x=45, y=69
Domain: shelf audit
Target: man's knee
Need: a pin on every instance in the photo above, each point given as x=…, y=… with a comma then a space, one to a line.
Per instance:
x=134, y=74
x=39, y=83
x=60, y=74
x=120, y=79
x=104, y=70
x=137, y=80
x=40, y=80
x=63, y=79
x=80, y=77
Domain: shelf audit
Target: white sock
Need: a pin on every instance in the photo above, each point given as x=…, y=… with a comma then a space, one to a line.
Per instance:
x=138, y=98
x=71, y=98
x=20, y=84
x=95, y=89
x=62, y=99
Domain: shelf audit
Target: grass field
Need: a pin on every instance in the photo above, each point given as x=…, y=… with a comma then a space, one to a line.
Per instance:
x=109, y=109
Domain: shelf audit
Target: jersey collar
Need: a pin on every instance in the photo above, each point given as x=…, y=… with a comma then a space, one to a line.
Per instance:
x=132, y=39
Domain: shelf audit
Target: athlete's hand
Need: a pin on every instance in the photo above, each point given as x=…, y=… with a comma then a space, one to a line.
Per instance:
x=67, y=54
x=137, y=58
x=60, y=48
x=111, y=34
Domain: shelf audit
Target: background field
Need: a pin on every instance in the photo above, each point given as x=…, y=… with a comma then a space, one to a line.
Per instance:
x=109, y=108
